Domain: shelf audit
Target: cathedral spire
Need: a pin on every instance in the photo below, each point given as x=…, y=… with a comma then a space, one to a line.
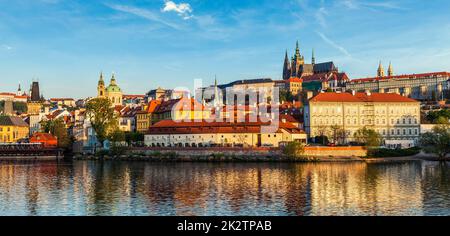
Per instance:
x=390, y=70
x=297, y=51
x=380, y=72
x=286, y=67
x=313, y=58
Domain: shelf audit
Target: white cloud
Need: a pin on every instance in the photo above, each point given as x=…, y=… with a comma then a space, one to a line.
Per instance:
x=350, y=4
x=355, y=4
x=334, y=44
x=149, y=15
x=183, y=9
x=321, y=16
x=205, y=20
x=388, y=5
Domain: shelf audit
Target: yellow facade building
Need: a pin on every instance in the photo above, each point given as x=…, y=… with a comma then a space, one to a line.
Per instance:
x=180, y=109
x=12, y=129
x=144, y=117
x=396, y=118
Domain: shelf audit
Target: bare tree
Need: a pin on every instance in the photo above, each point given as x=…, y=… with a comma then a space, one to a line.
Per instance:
x=322, y=132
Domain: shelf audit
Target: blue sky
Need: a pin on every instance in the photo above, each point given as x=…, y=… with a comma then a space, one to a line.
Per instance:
x=151, y=43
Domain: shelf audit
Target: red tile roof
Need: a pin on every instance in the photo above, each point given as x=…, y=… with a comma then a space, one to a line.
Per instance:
x=325, y=77
x=360, y=97
x=12, y=95
x=181, y=104
x=410, y=76
x=295, y=80
x=129, y=111
x=133, y=96
x=288, y=118
x=61, y=99
x=47, y=139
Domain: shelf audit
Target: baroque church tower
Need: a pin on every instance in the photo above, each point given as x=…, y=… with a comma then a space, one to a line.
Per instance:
x=112, y=92
x=101, y=87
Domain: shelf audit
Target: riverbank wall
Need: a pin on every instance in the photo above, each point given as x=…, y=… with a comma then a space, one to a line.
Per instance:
x=31, y=158
x=224, y=154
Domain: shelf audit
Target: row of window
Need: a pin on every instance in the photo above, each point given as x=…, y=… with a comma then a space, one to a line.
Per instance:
x=362, y=110
x=403, y=121
x=6, y=129
x=200, y=137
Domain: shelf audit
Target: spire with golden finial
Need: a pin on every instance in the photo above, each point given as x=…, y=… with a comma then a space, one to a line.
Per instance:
x=113, y=79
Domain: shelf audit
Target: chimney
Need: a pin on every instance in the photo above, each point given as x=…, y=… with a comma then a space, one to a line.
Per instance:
x=283, y=120
x=368, y=92
x=353, y=92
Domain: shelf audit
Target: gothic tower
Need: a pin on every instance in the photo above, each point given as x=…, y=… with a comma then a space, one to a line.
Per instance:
x=298, y=60
x=35, y=95
x=313, y=58
x=286, y=67
x=390, y=70
x=101, y=87
x=380, y=72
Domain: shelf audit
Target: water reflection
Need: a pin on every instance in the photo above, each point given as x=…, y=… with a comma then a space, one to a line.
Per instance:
x=139, y=188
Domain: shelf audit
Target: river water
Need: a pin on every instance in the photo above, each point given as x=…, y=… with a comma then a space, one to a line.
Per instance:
x=142, y=188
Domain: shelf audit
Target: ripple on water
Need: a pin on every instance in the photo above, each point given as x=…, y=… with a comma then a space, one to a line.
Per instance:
x=140, y=188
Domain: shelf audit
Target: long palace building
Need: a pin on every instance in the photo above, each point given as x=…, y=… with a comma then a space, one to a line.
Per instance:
x=426, y=86
x=396, y=118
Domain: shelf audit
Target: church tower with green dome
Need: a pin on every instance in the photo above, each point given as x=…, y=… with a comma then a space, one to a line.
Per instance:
x=112, y=92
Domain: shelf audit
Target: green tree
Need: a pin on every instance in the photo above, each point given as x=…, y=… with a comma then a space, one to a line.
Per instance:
x=367, y=137
x=101, y=115
x=133, y=137
x=294, y=149
x=438, y=140
x=286, y=96
x=58, y=129
x=117, y=136
x=434, y=116
x=322, y=135
x=20, y=107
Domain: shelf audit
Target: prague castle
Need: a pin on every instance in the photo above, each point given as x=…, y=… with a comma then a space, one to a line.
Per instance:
x=112, y=92
x=296, y=67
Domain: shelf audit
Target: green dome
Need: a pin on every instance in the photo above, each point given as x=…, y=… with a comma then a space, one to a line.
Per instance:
x=113, y=88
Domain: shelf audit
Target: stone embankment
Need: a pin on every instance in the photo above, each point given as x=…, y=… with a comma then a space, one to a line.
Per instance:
x=311, y=154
